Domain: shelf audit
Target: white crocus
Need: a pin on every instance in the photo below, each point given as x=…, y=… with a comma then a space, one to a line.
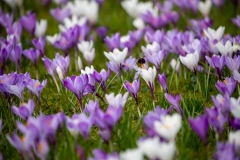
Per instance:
x=191, y=60
x=117, y=56
x=151, y=48
x=80, y=65
x=88, y=70
x=13, y=3
x=235, y=107
x=153, y=148
x=205, y=7
x=88, y=9
x=149, y=75
x=169, y=126
x=234, y=138
x=135, y=154
x=71, y=22
x=53, y=39
x=86, y=47
x=40, y=28
x=139, y=23
x=214, y=34
x=175, y=65
x=135, y=9
x=117, y=101
x=225, y=49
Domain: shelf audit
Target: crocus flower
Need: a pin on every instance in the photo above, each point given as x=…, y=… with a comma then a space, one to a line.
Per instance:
x=135, y=153
x=35, y=87
x=79, y=123
x=60, y=14
x=205, y=7
x=128, y=64
x=100, y=154
x=162, y=79
x=40, y=28
x=233, y=63
x=25, y=110
x=214, y=34
x=225, y=49
x=153, y=148
x=78, y=85
x=29, y=22
x=87, y=50
x=42, y=148
x=222, y=102
x=227, y=86
x=32, y=55
x=168, y=126
x=236, y=21
x=191, y=60
x=117, y=101
x=39, y=44
x=149, y=76
x=117, y=56
x=102, y=78
x=133, y=88
x=175, y=65
x=218, y=63
x=225, y=151
x=233, y=138
x=235, y=107
x=113, y=41
x=174, y=101
x=139, y=23
x=200, y=126
x=102, y=32
x=235, y=123
x=216, y=119
x=150, y=119
x=15, y=55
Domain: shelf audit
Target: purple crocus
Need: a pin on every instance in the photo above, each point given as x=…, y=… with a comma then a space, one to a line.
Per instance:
x=133, y=88
x=174, y=101
x=32, y=55
x=227, y=86
x=222, y=102
x=153, y=54
x=29, y=22
x=100, y=154
x=15, y=55
x=157, y=36
x=60, y=14
x=80, y=123
x=78, y=85
x=113, y=41
x=200, y=126
x=35, y=87
x=150, y=118
x=102, y=78
x=217, y=62
x=162, y=79
x=102, y=32
x=236, y=21
x=39, y=44
x=233, y=63
x=225, y=151
x=25, y=110
x=216, y=118
x=235, y=123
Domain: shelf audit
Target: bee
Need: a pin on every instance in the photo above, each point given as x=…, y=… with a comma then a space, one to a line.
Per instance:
x=140, y=62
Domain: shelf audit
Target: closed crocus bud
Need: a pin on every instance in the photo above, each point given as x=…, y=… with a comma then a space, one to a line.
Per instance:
x=40, y=28
x=175, y=65
x=163, y=81
x=205, y=7
x=138, y=23
x=80, y=66
x=200, y=126
x=191, y=60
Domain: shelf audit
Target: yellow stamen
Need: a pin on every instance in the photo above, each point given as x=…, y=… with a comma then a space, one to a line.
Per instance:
x=22, y=139
x=36, y=84
x=225, y=82
x=166, y=127
x=40, y=147
x=2, y=81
